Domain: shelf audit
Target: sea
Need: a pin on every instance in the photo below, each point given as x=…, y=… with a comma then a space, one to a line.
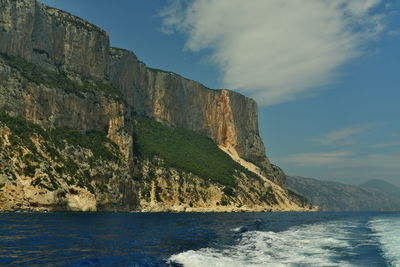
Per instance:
x=200, y=239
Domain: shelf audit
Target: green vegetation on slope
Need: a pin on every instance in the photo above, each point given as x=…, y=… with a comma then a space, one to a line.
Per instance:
x=95, y=141
x=53, y=141
x=59, y=80
x=185, y=150
x=299, y=199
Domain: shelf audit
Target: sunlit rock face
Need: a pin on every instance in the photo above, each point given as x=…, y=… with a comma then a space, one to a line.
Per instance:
x=84, y=85
x=227, y=117
x=52, y=38
x=16, y=27
x=58, y=40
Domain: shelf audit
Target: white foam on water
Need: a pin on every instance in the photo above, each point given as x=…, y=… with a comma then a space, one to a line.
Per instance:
x=311, y=245
x=387, y=232
x=237, y=229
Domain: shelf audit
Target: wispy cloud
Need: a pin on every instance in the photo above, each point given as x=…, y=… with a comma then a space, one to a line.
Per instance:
x=276, y=50
x=341, y=160
x=340, y=136
x=318, y=159
x=385, y=145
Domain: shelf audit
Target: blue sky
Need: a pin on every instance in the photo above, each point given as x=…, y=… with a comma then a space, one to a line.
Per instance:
x=326, y=74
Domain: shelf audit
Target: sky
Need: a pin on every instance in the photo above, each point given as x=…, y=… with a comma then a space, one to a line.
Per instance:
x=325, y=73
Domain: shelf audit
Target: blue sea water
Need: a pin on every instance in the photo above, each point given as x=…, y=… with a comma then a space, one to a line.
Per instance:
x=200, y=239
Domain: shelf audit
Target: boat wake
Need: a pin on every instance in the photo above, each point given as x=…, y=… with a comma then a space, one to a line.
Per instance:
x=313, y=245
x=387, y=232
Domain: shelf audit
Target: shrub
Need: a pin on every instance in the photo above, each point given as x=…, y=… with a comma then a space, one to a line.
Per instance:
x=97, y=142
x=29, y=171
x=185, y=150
x=54, y=140
x=269, y=197
x=301, y=200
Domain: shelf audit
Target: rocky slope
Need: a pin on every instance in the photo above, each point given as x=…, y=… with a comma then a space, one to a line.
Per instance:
x=334, y=196
x=53, y=169
x=382, y=186
x=58, y=72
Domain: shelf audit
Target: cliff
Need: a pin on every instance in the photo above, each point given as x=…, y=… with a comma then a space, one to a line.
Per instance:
x=58, y=71
x=227, y=117
x=52, y=38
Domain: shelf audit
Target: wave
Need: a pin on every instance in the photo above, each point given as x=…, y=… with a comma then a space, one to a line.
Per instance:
x=387, y=232
x=311, y=245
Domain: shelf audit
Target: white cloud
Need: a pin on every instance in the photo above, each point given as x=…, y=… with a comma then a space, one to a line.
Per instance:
x=318, y=159
x=340, y=136
x=276, y=50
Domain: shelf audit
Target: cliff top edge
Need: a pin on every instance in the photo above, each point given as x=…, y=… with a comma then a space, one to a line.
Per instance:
x=68, y=17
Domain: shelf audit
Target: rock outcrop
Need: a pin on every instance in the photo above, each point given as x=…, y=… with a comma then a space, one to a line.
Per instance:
x=52, y=38
x=55, y=170
x=58, y=71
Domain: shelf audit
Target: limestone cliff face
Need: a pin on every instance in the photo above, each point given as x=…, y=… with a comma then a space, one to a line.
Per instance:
x=71, y=79
x=53, y=107
x=229, y=118
x=52, y=38
x=16, y=27
x=57, y=40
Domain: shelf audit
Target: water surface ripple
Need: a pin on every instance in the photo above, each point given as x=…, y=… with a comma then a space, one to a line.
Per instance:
x=200, y=239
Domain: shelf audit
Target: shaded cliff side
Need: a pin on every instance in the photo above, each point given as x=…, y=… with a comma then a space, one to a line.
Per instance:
x=52, y=38
x=58, y=71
